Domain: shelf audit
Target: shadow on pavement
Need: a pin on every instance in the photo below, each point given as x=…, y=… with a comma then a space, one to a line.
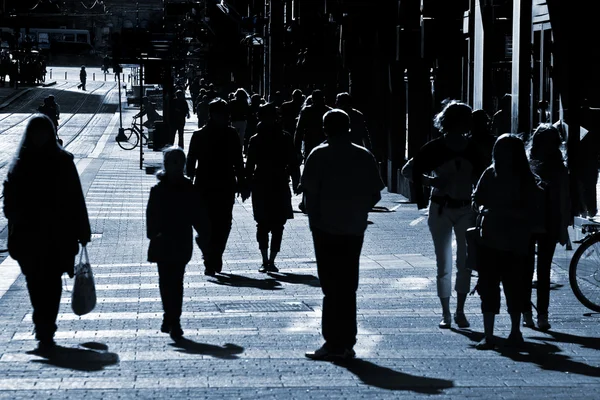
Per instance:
x=79, y=359
x=226, y=352
x=586, y=342
x=545, y=355
x=386, y=378
x=244, y=281
x=286, y=277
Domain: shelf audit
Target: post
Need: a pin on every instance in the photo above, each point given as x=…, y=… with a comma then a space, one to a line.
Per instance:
x=141, y=117
x=65, y=75
x=521, y=66
x=50, y=73
x=120, y=108
x=93, y=76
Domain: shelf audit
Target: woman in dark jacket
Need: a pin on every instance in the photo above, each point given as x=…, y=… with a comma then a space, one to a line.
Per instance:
x=169, y=220
x=270, y=164
x=47, y=218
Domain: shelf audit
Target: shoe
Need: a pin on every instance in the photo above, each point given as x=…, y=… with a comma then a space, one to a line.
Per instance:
x=324, y=354
x=461, y=320
x=176, y=332
x=273, y=268
x=209, y=272
x=264, y=268
x=46, y=346
x=515, y=340
x=446, y=322
x=486, y=344
x=543, y=323
x=165, y=327
x=528, y=320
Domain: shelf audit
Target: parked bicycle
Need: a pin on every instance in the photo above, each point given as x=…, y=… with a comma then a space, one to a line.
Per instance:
x=132, y=136
x=584, y=269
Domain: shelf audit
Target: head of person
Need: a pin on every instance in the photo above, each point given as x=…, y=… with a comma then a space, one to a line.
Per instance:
x=542, y=105
x=336, y=124
x=39, y=138
x=297, y=95
x=173, y=163
x=256, y=100
x=509, y=157
x=179, y=94
x=318, y=98
x=218, y=112
x=506, y=102
x=241, y=94
x=51, y=98
x=267, y=113
x=343, y=100
x=83, y=67
x=481, y=122
x=455, y=117
x=546, y=146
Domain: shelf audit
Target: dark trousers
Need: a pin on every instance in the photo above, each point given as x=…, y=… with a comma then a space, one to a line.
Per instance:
x=263, y=228
x=178, y=128
x=545, y=252
x=170, y=282
x=44, y=292
x=214, y=231
x=497, y=267
x=81, y=85
x=337, y=266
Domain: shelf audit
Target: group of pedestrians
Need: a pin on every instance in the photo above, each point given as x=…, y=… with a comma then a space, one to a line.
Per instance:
x=515, y=191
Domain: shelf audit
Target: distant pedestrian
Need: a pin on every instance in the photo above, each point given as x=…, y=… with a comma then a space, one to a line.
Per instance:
x=82, y=78
x=547, y=161
x=216, y=166
x=342, y=184
x=481, y=137
x=450, y=165
x=47, y=218
x=239, y=108
x=507, y=196
x=181, y=111
x=49, y=109
x=290, y=110
x=359, y=131
x=270, y=164
x=170, y=216
x=502, y=119
x=202, y=111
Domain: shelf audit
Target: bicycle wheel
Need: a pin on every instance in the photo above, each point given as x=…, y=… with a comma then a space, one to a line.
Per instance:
x=584, y=273
x=131, y=141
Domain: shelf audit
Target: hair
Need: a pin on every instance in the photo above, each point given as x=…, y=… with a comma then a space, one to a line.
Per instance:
x=297, y=94
x=481, y=122
x=455, y=116
x=241, y=94
x=318, y=96
x=218, y=106
x=336, y=123
x=545, y=147
x=267, y=112
x=169, y=153
x=39, y=123
x=343, y=99
x=516, y=163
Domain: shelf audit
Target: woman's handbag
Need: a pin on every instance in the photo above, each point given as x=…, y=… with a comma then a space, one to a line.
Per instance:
x=83, y=298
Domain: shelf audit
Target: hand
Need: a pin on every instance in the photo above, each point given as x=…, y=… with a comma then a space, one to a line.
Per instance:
x=298, y=190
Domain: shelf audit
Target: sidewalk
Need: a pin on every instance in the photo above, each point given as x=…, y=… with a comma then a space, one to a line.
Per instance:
x=247, y=332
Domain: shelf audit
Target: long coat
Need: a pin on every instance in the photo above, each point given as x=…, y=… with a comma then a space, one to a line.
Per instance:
x=271, y=162
x=46, y=212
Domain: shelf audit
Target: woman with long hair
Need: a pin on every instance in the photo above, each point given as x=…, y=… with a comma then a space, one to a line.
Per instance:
x=47, y=219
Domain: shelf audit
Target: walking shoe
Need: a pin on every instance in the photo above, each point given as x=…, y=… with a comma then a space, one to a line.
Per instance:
x=446, y=322
x=165, y=327
x=176, y=332
x=543, y=323
x=273, y=268
x=528, y=320
x=461, y=320
x=264, y=268
x=324, y=354
x=209, y=272
x=46, y=346
x=486, y=344
x=515, y=340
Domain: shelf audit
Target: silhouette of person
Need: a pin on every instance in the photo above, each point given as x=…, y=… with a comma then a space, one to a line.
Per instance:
x=290, y=111
x=239, y=108
x=270, y=164
x=449, y=165
x=47, y=218
x=181, y=111
x=148, y=109
x=502, y=119
x=170, y=215
x=358, y=127
x=507, y=196
x=481, y=137
x=342, y=184
x=309, y=131
x=82, y=78
x=216, y=166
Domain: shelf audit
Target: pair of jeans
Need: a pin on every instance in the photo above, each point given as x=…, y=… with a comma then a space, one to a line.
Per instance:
x=546, y=245
x=170, y=282
x=442, y=220
x=215, y=230
x=338, y=269
x=263, y=228
x=44, y=292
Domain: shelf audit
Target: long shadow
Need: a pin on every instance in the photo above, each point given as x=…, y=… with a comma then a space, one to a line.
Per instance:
x=545, y=355
x=78, y=359
x=286, y=277
x=228, y=351
x=584, y=341
x=244, y=281
x=387, y=378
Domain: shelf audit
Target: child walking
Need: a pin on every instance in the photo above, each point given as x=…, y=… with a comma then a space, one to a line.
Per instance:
x=169, y=219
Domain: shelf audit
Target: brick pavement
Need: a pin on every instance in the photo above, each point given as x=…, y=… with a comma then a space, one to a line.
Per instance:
x=247, y=332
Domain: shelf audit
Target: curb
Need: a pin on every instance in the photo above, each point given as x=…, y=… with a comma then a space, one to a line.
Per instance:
x=8, y=101
x=49, y=84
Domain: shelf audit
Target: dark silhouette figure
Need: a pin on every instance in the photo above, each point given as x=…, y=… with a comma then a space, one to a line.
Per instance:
x=169, y=218
x=202, y=110
x=47, y=218
x=309, y=280
x=256, y=101
x=359, y=133
x=148, y=110
x=481, y=137
x=507, y=196
x=239, y=108
x=270, y=164
x=51, y=110
x=290, y=110
x=342, y=184
x=228, y=351
x=181, y=111
x=547, y=161
x=502, y=119
x=309, y=131
x=82, y=78
x=216, y=166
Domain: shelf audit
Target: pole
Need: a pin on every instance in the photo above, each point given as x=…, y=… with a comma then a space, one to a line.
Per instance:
x=141, y=117
x=120, y=108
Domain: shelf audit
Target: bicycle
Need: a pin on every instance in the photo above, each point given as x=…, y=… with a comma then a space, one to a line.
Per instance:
x=584, y=269
x=132, y=136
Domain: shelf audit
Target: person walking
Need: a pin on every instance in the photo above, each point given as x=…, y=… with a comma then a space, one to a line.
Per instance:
x=82, y=78
x=508, y=198
x=216, y=166
x=358, y=126
x=342, y=184
x=547, y=161
x=181, y=111
x=290, y=111
x=239, y=108
x=170, y=216
x=270, y=164
x=453, y=163
x=47, y=219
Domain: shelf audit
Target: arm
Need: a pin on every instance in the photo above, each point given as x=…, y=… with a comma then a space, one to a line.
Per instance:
x=311, y=184
x=152, y=215
x=84, y=231
x=192, y=157
x=300, y=131
x=293, y=166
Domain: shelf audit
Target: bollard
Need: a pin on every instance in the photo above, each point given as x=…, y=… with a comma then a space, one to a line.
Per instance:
x=65, y=75
x=105, y=77
x=50, y=73
x=93, y=76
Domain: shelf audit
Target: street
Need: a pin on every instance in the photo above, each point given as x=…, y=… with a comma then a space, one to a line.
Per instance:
x=247, y=332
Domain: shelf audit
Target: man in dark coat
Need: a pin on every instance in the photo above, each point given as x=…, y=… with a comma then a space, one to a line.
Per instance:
x=181, y=111
x=216, y=166
x=309, y=130
x=290, y=111
x=82, y=78
x=359, y=133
